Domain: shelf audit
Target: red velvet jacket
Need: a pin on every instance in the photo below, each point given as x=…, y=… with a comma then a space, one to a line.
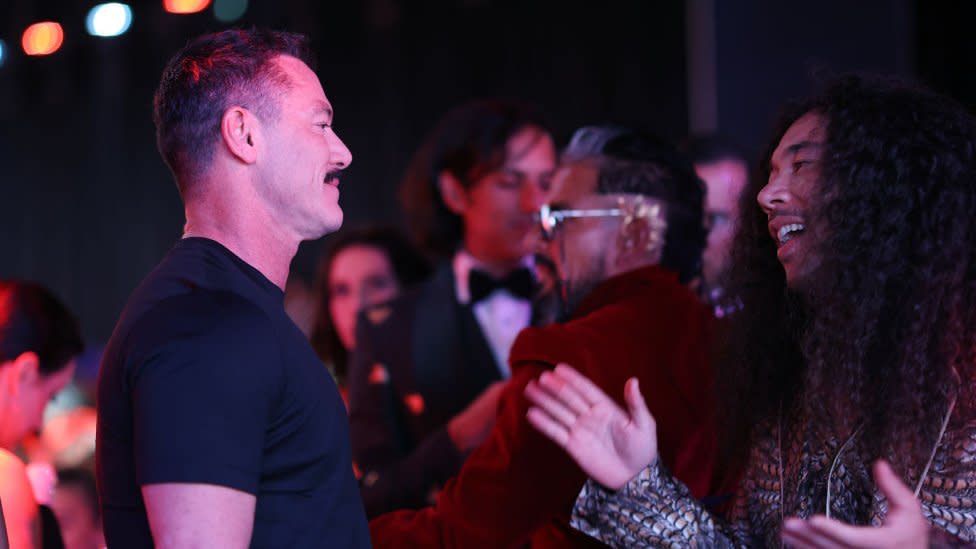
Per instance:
x=518, y=488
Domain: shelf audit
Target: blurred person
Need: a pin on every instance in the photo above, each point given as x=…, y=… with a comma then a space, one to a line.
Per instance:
x=39, y=339
x=724, y=167
x=4, y=541
x=848, y=392
x=625, y=232
x=75, y=504
x=362, y=267
x=428, y=367
x=217, y=424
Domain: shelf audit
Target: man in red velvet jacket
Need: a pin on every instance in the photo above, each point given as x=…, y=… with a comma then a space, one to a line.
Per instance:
x=624, y=231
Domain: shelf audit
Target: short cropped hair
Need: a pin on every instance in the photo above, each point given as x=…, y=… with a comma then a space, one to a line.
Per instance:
x=646, y=164
x=207, y=76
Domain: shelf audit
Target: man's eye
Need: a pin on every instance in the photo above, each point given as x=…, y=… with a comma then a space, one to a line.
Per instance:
x=799, y=164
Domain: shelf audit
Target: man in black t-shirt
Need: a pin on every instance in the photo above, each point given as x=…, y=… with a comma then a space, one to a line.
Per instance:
x=217, y=424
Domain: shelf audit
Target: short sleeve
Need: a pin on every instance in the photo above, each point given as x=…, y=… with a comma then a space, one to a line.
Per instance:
x=202, y=397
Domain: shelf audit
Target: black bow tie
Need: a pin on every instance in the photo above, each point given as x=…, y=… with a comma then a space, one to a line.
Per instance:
x=519, y=283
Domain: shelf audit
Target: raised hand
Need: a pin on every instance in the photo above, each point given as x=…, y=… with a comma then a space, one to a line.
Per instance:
x=904, y=527
x=609, y=444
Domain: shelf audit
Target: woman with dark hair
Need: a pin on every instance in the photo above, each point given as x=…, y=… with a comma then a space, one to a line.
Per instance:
x=39, y=339
x=362, y=267
x=848, y=389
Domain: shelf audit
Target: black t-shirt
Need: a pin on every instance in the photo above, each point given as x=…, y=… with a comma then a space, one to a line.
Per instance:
x=207, y=380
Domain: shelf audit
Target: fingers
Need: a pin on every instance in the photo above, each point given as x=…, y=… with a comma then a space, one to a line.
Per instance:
x=639, y=413
x=548, y=426
x=900, y=497
x=565, y=392
x=549, y=401
x=587, y=389
x=801, y=534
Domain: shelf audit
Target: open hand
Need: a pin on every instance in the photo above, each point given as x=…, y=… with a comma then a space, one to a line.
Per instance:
x=609, y=444
x=904, y=527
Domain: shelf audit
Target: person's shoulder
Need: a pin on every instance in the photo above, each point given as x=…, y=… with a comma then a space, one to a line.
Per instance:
x=11, y=466
x=203, y=323
x=214, y=311
x=15, y=485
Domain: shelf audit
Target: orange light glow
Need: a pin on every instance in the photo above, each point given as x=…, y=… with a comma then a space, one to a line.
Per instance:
x=42, y=38
x=185, y=6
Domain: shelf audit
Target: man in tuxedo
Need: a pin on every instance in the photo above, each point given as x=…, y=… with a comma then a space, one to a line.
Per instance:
x=429, y=366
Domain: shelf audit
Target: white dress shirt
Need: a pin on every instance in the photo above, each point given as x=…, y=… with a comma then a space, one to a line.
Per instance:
x=501, y=315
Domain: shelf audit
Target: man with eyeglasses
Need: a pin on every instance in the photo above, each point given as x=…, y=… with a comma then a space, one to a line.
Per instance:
x=624, y=231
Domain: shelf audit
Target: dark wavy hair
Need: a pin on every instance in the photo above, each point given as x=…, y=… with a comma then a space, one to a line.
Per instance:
x=469, y=142
x=885, y=334
x=33, y=319
x=409, y=267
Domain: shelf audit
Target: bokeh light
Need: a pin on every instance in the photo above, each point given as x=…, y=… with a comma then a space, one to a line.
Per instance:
x=227, y=11
x=110, y=19
x=43, y=38
x=185, y=6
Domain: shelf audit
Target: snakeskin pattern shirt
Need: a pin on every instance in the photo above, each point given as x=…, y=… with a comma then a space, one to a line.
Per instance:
x=785, y=478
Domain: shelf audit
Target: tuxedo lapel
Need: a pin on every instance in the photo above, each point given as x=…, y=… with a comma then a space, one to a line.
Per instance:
x=452, y=360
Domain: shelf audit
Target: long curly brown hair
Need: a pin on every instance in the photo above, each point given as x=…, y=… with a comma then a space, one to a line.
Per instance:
x=885, y=334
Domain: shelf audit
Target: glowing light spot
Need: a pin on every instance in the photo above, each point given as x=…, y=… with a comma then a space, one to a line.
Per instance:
x=229, y=10
x=185, y=6
x=110, y=19
x=42, y=38
x=3, y=52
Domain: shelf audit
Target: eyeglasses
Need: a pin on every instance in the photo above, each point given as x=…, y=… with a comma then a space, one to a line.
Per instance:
x=550, y=219
x=636, y=207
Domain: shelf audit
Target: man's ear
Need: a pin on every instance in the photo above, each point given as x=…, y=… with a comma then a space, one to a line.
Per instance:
x=240, y=133
x=640, y=241
x=453, y=193
x=26, y=367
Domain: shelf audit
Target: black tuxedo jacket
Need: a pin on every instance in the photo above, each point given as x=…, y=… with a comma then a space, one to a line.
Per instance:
x=419, y=361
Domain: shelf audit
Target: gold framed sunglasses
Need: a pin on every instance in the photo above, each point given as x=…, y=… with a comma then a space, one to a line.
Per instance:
x=650, y=210
x=551, y=218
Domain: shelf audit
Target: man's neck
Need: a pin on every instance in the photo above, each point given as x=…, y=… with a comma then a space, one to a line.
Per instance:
x=247, y=238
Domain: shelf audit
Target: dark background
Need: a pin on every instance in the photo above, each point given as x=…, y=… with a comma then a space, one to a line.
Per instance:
x=87, y=206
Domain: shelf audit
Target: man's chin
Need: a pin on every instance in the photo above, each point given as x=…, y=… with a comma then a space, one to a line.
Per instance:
x=574, y=292
x=810, y=281
x=332, y=223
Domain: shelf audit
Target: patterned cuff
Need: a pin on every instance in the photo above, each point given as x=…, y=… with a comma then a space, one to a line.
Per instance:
x=652, y=510
x=616, y=517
